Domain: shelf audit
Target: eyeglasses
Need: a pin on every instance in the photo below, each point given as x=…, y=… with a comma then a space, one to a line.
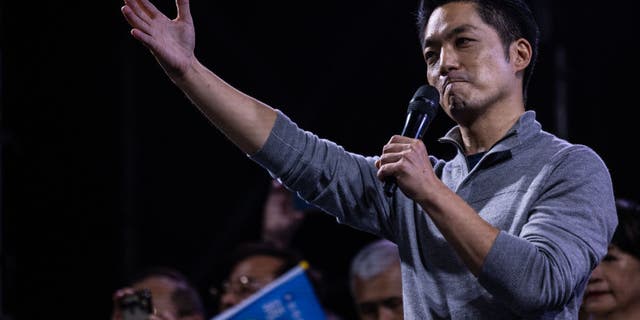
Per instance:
x=243, y=286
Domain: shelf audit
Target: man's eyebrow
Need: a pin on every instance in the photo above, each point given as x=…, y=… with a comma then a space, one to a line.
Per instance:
x=429, y=41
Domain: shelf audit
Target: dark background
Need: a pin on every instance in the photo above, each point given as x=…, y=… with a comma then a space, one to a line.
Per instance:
x=107, y=168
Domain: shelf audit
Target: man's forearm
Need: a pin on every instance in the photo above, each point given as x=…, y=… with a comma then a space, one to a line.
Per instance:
x=464, y=229
x=246, y=121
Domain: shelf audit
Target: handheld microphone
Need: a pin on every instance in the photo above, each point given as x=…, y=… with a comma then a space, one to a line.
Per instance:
x=423, y=107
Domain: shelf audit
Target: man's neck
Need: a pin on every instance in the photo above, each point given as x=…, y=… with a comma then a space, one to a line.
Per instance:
x=488, y=128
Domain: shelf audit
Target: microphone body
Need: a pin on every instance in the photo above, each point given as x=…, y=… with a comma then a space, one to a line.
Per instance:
x=423, y=107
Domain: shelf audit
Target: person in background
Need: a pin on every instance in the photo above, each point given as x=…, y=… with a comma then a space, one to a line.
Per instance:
x=172, y=295
x=376, y=281
x=281, y=217
x=290, y=223
x=613, y=292
x=254, y=265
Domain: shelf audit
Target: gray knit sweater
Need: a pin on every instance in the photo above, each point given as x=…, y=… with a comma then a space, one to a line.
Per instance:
x=553, y=202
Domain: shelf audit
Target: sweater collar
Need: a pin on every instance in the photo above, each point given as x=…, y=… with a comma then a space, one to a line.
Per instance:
x=524, y=128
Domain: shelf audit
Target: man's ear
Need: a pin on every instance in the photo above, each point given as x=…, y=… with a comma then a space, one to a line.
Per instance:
x=520, y=52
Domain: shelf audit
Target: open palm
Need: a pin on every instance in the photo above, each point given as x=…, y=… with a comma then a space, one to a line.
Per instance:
x=172, y=42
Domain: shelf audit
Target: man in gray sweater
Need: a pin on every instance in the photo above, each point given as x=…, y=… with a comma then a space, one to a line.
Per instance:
x=511, y=227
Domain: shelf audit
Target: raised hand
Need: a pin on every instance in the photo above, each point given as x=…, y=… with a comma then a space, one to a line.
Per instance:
x=246, y=121
x=280, y=218
x=172, y=42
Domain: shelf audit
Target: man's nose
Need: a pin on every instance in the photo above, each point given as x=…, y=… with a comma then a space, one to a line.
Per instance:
x=448, y=59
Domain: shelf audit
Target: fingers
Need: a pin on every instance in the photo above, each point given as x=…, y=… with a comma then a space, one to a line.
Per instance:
x=388, y=148
x=400, y=139
x=389, y=166
x=138, y=10
x=395, y=153
x=399, y=144
x=184, y=12
x=146, y=39
x=122, y=292
x=392, y=152
x=116, y=308
x=148, y=8
x=396, y=148
x=134, y=20
x=390, y=158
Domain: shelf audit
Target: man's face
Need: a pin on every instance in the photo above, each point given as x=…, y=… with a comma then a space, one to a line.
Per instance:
x=247, y=277
x=466, y=60
x=161, y=289
x=614, y=285
x=381, y=296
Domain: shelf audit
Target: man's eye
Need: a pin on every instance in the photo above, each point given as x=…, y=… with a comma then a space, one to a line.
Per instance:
x=463, y=41
x=609, y=258
x=430, y=57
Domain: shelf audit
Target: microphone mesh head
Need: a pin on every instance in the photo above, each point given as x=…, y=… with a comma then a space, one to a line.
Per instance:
x=425, y=100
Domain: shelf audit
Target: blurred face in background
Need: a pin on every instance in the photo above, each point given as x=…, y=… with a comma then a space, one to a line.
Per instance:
x=247, y=277
x=614, y=287
x=380, y=297
x=161, y=290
